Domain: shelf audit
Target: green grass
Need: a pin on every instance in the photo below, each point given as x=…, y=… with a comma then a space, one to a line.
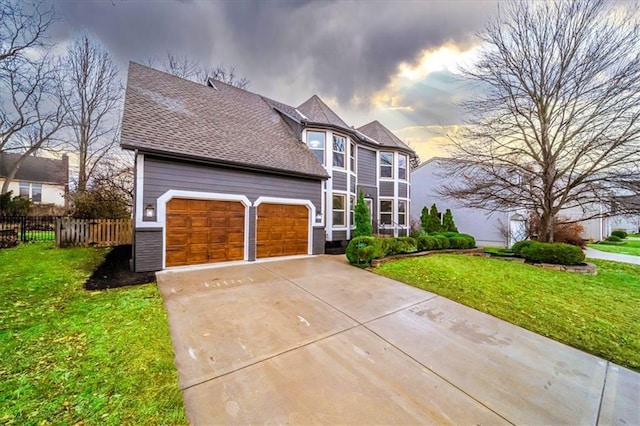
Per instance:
x=598, y=314
x=69, y=355
x=631, y=247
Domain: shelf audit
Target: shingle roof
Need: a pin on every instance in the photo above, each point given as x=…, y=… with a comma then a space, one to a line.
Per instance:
x=384, y=136
x=317, y=111
x=167, y=114
x=287, y=109
x=36, y=169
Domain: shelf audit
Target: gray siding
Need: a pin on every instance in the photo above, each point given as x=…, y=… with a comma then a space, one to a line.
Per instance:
x=386, y=189
x=339, y=181
x=366, y=166
x=339, y=236
x=147, y=249
x=162, y=175
x=402, y=190
x=353, y=183
x=319, y=237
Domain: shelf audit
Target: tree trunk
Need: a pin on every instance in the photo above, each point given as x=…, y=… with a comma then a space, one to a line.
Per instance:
x=547, y=221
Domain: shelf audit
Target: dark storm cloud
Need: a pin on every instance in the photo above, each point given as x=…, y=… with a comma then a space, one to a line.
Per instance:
x=336, y=49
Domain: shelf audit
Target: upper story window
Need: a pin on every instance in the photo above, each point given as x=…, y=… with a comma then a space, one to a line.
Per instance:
x=352, y=157
x=31, y=191
x=402, y=167
x=316, y=143
x=339, y=209
x=339, y=144
x=386, y=164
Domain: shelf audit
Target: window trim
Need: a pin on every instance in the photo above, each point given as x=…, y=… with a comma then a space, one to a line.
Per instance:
x=391, y=213
x=353, y=157
x=33, y=186
x=343, y=210
x=352, y=211
x=380, y=165
x=406, y=162
x=334, y=152
x=324, y=148
x=405, y=213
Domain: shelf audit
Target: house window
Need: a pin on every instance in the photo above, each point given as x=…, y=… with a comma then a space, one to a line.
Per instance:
x=315, y=142
x=352, y=157
x=36, y=192
x=402, y=167
x=24, y=190
x=338, y=151
x=352, y=211
x=386, y=212
x=402, y=212
x=386, y=164
x=339, y=210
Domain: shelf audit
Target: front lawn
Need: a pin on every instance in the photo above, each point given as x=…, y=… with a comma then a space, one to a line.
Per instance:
x=70, y=355
x=598, y=314
x=631, y=247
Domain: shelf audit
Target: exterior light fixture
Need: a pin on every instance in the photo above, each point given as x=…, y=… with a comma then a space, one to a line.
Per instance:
x=319, y=218
x=149, y=210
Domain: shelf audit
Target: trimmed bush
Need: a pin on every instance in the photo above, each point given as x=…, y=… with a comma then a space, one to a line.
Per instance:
x=360, y=250
x=405, y=245
x=620, y=234
x=384, y=247
x=556, y=253
x=426, y=242
x=613, y=238
x=442, y=242
x=517, y=247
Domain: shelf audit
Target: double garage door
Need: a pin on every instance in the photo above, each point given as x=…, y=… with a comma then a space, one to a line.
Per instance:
x=207, y=231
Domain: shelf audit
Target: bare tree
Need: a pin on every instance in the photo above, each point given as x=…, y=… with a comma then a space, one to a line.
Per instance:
x=187, y=67
x=92, y=100
x=22, y=28
x=558, y=122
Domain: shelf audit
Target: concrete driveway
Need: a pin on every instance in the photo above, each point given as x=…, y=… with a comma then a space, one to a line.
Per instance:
x=314, y=340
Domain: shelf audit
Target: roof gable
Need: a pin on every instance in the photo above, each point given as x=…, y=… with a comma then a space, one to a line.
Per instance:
x=376, y=131
x=318, y=112
x=222, y=124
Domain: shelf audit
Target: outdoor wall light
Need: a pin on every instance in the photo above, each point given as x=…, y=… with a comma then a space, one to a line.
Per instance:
x=319, y=218
x=149, y=210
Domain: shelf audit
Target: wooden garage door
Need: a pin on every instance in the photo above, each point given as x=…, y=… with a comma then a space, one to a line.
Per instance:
x=282, y=230
x=204, y=231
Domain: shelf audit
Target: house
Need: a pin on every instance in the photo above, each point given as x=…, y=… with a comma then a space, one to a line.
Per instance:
x=44, y=181
x=224, y=174
x=502, y=228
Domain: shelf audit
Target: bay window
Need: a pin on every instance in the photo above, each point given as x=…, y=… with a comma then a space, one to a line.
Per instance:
x=352, y=157
x=316, y=143
x=402, y=212
x=339, y=210
x=386, y=164
x=338, y=151
x=386, y=212
x=402, y=167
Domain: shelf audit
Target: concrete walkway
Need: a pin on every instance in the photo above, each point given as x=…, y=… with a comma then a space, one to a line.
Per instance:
x=625, y=258
x=316, y=341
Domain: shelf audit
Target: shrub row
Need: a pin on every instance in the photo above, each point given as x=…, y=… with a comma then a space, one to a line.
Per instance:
x=362, y=250
x=556, y=253
x=619, y=233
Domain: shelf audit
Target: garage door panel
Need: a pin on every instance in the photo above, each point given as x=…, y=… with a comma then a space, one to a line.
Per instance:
x=282, y=230
x=204, y=231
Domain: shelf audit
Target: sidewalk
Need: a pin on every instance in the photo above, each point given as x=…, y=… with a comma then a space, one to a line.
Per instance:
x=603, y=255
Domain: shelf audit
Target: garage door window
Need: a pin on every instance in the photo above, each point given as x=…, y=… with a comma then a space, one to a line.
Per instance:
x=339, y=211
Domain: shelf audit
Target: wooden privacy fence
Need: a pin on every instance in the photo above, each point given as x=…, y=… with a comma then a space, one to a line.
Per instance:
x=93, y=232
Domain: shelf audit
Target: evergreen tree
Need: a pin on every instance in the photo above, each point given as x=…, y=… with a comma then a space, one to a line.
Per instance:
x=425, y=219
x=434, y=220
x=448, y=224
x=362, y=218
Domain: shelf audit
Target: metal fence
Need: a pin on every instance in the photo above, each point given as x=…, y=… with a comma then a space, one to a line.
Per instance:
x=29, y=228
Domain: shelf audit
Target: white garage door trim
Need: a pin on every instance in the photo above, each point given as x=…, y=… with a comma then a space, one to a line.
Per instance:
x=195, y=195
x=294, y=201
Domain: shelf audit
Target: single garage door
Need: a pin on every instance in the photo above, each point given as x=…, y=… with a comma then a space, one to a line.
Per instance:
x=204, y=231
x=282, y=230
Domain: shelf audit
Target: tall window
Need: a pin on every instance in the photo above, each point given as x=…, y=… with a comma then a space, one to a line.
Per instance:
x=24, y=190
x=339, y=210
x=386, y=212
x=402, y=212
x=402, y=167
x=352, y=156
x=338, y=151
x=315, y=142
x=386, y=164
x=352, y=211
x=36, y=192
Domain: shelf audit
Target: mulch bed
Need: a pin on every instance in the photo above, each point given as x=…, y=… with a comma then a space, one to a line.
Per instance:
x=114, y=271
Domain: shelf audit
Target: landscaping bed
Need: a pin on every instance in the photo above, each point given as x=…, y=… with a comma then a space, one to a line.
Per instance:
x=598, y=314
x=114, y=271
x=72, y=356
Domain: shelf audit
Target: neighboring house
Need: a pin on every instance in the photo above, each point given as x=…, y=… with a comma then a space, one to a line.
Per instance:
x=223, y=174
x=44, y=181
x=500, y=228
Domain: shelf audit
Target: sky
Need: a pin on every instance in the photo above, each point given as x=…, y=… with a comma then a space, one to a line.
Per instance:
x=395, y=62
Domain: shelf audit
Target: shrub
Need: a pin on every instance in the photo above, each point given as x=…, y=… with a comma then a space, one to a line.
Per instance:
x=13, y=206
x=458, y=243
x=570, y=233
x=448, y=224
x=619, y=233
x=442, y=242
x=556, y=253
x=362, y=218
x=360, y=250
x=405, y=245
x=520, y=245
x=426, y=242
x=613, y=238
x=383, y=247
